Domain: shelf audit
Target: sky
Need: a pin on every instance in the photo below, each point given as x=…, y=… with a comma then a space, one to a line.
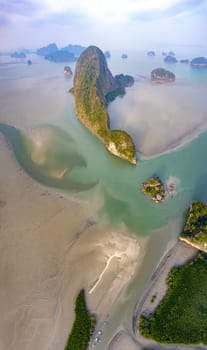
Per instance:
x=110, y=24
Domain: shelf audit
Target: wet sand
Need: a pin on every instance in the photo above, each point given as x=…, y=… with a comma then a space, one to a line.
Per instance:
x=123, y=341
x=177, y=255
x=51, y=247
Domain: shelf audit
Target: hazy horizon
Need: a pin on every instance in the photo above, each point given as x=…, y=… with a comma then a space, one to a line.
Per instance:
x=124, y=24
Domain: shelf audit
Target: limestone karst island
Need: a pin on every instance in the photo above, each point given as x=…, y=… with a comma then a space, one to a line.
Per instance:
x=94, y=87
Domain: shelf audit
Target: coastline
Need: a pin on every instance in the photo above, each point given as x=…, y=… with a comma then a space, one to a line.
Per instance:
x=178, y=255
x=51, y=247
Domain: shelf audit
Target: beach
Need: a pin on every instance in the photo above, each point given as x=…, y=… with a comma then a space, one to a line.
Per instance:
x=51, y=248
x=178, y=255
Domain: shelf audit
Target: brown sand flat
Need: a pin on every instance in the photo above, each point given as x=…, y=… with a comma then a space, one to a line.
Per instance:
x=50, y=247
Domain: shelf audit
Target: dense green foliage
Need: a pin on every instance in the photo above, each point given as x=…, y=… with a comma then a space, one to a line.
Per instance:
x=124, y=80
x=111, y=95
x=181, y=317
x=123, y=143
x=83, y=326
x=154, y=188
x=94, y=87
x=195, y=228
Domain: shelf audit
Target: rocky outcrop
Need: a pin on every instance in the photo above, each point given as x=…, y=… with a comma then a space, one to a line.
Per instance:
x=47, y=50
x=29, y=62
x=199, y=62
x=151, y=53
x=68, y=72
x=164, y=54
x=171, y=53
x=154, y=189
x=122, y=81
x=170, y=59
x=161, y=75
x=93, y=81
x=124, y=56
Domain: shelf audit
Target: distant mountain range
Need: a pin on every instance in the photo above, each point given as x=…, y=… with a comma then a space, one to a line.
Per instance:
x=66, y=54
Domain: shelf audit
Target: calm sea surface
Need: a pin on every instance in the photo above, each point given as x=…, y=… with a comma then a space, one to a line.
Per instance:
x=56, y=150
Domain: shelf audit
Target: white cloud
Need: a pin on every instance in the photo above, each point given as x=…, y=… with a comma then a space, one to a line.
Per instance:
x=108, y=9
x=94, y=6
x=109, y=23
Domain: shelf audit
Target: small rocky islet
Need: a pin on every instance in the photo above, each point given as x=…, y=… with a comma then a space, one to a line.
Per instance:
x=161, y=75
x=151, y=53
x=156, y=190
x=170, y=59
x=199, y=62
x=68, y=72
x=107, y=54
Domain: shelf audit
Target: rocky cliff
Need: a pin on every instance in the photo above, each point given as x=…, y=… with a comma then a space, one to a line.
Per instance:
x=93, y=81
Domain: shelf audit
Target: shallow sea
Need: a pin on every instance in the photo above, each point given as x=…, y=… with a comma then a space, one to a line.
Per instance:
x=168, y=125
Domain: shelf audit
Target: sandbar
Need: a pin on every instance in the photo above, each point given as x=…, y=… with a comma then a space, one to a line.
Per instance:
x=51, y=246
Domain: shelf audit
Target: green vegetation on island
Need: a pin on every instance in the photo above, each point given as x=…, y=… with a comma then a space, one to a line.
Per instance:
x=94, y=87
x=195, y=228
x=83, y=326
x=158, y=191
x=181, y=317
x=154, y=188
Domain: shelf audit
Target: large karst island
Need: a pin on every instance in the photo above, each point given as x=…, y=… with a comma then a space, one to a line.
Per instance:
x=94, y=87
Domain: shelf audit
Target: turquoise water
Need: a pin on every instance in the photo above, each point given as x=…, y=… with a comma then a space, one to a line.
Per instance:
x=86, y=165
x=58, y=151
